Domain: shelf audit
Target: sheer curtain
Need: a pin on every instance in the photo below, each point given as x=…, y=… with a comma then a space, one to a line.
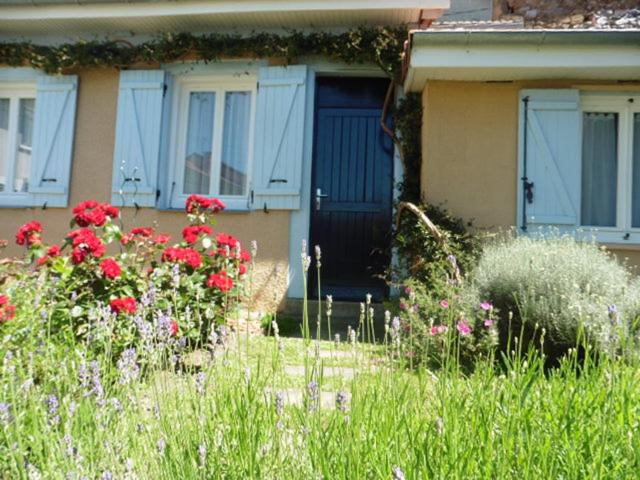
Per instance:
x=197, y=164
x=235, y=143
x=4, y=141
x=636, y=171
x=599, y=169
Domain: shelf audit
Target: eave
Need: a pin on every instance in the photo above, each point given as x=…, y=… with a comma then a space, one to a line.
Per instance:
x=481, y=55
x=152, y=17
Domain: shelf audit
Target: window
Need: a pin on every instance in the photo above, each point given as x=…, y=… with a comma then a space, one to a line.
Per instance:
x=610, y=188
x=17, y=106
x=213, y=145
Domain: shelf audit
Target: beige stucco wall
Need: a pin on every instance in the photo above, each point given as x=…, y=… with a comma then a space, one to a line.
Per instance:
x=91, y=179
x=469, y=146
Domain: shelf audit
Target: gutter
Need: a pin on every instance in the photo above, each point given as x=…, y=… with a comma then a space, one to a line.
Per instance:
x=522, y=37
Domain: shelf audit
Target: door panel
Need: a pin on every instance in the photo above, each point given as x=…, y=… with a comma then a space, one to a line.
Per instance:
x=353, y=161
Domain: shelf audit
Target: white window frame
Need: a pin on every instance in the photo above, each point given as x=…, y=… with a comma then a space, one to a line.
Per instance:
x=15, y=92
x=623, y=232
x=220, y=84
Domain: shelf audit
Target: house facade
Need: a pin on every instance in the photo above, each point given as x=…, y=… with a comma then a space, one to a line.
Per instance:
x=534, y=129
x=296, y=149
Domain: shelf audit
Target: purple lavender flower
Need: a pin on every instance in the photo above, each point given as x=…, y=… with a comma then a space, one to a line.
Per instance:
x=53, y=407
x=161, y=446
x=106, y=475
x=202, y=453
x=279, y=403
x=341, y=401
x=313, y=395
x=128, y=367
x=397, y=473
x=201, y=379
x=5, y=414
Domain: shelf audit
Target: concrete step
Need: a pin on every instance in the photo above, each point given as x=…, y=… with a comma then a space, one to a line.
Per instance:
x=345, y=372
x=344, y=315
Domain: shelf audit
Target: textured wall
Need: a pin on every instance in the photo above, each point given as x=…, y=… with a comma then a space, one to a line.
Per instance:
x=470, y=142
x=91, y=179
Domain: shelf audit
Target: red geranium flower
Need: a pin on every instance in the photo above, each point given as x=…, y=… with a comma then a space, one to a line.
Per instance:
x=161, y=239
x=91, y=212
x=52, y=251
x=174, y=328
x=182, y=255
x=223, y=239
x=196, y=203
x=191, y=233
x=242, y=269
x=85, y=243
x=7, y=311
x=124, y=304
x=110, y=268
x=221, y=280
x=143, y=232
x=29, y=234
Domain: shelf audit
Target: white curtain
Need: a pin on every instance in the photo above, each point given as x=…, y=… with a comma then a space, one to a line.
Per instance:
x=235, y=143
x=197, y=164
x=599, y=169
x=4, y=140
x=636, y=170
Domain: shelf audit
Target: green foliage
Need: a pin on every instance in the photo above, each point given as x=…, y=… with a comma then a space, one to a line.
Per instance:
x=382, y=46
x=407, y=120
x=560, y=286
x=146, y=294
x=437, y=323
x=423, y=257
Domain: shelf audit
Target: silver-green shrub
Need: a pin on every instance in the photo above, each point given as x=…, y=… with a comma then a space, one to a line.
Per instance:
x=561, y=285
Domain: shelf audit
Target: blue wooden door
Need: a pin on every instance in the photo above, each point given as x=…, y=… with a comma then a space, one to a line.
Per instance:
x=352, y=188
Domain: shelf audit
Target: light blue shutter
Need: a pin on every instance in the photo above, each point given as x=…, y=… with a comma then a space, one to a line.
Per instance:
x=137, y=146
x=553, y=158
x=54, y=122
x=279, y=138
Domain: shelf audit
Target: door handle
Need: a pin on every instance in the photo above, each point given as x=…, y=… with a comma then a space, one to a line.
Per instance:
x=319, y=197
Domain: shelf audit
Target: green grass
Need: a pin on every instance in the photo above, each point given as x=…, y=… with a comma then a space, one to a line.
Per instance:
x=517, y=422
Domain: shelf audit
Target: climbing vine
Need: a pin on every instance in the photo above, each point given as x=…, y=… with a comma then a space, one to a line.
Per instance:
x=382, y=46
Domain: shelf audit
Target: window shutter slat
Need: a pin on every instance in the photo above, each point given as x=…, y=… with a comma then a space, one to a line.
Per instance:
x=552, y=157
x=279, y=140
x=54, y=124
x=137, y=145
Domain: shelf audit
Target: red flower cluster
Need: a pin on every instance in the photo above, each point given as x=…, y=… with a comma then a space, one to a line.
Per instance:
x=52, y=252
x=29, y=234
x=196, y=203
x=191, y=233
x=224, y=239
x=161, y=239
x=7, y=311
x=221, y=280
x=174, y=328
x=142, y=232
x=182, y=255
x=91, y=212
x=110, y=268
x=124, y=304
x=85, y=243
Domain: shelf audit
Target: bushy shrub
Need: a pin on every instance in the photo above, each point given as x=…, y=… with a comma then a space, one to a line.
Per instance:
x=437, y=325
x=573, y=291
x=148, y=292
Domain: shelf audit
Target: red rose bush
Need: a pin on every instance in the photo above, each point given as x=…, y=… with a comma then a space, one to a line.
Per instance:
x=118, y=288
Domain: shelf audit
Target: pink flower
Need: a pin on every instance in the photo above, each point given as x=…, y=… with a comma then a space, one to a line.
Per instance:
x=444, y=303
x=463, y=327
x=488, y=322
x=438, y=329
x=486, y=306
